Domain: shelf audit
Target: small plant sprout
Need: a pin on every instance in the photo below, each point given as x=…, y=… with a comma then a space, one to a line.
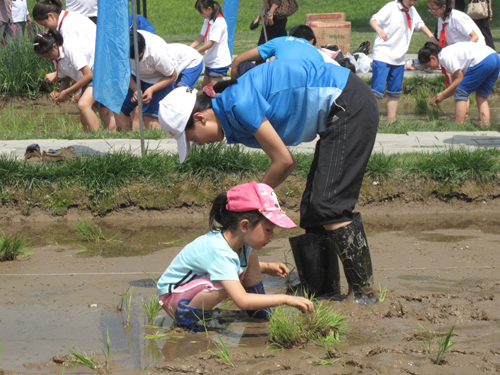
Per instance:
x=152, y=308
x=82, y=360
x=222, y=353
x=106, y=352
x=382, y=293
x=321, y=361
x=442, y=340
x=12, y=247
x=90, y=231
x=119, y=307
x=128, y=300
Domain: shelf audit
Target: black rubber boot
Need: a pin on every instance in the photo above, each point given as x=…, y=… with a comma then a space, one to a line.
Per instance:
x=317, y=264
x=353, y=250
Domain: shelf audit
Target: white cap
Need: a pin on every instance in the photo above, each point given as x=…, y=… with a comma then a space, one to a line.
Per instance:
x=173, y=115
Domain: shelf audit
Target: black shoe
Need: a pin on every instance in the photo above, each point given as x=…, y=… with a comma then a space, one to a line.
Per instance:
x=254, y=25
x=353, y=251
x=317, y=264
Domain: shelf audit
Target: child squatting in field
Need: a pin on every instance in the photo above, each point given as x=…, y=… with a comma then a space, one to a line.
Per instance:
x=224, y=261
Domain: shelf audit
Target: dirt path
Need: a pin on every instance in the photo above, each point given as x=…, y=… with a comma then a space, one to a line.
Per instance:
x=439, y=263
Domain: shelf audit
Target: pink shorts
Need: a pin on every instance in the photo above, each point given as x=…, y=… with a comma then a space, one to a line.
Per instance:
x=170, y=301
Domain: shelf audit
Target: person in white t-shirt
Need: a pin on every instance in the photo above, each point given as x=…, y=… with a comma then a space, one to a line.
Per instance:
x=72, y=62
x=20, y=15
x=473, y=67
x=394, y=24
x=162, y=67
x=214, y=35
x=87, y=8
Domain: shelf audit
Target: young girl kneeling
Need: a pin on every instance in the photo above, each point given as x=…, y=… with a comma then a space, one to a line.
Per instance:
x=72, y=62
x=473, y=67
x=223, y=262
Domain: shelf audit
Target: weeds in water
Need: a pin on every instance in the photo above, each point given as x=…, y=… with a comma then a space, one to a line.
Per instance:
x=90, y=231
x=382, y=293
x=12, y=247
x=427, y=338
x=82, y=360
x=288, y=327
x=222, y=353
x=152, y=308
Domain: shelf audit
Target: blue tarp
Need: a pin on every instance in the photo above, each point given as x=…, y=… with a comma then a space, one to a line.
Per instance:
x=112, y=54
x=230, y=11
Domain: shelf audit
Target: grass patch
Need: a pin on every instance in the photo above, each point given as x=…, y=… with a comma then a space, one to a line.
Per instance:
x=288, y=327
x=89, y=230
x=11, y=247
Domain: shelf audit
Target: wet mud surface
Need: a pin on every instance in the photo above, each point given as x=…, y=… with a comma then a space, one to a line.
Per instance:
x=439, y=263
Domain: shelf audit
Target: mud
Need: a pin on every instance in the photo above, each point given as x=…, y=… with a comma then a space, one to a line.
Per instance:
x=439, y=263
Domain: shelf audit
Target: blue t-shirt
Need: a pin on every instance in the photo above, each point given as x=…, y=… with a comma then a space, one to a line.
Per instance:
x=295, y=96
x=208, y=255
x=290, y=48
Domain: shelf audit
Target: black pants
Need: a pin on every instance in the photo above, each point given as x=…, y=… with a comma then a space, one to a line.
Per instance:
x=484, y=26
x=277, y=29
x=341, y=155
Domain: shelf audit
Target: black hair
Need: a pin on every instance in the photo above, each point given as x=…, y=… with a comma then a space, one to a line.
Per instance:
x=43, y=8
x=43, y=43
x=204, y=102
x=230, y=219
x=441, y=3
x=141, y=44
x=216, y=8
x=304, y=32
x=429, y=49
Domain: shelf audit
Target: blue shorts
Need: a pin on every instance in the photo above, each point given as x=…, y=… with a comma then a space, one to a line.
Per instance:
x=383, y=73
x=190, y=76
x=216, y=72
x=150, y=109
x=479, y=78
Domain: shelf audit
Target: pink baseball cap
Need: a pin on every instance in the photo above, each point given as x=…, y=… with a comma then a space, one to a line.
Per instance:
x=258, y=196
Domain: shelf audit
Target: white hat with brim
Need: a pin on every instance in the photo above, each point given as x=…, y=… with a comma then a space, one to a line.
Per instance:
x=173, y=115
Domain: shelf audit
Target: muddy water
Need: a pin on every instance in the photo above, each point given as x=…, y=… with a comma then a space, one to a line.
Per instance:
x=439, y=269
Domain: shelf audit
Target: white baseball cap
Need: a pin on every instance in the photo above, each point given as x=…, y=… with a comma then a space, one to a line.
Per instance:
x=173, y=115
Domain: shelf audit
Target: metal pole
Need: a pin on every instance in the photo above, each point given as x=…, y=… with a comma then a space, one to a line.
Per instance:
x=138, y=78
x=263, y=17
x=145, y=8
x=138, y=6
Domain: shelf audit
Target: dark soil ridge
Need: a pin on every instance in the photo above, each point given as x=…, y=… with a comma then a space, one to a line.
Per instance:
x=193, y=196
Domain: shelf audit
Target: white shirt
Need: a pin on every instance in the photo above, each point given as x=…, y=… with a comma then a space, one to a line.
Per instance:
x=459, y=28
x=219, y=55
x=394, y=23
x=87, y=8
x=463, y=55
x=184, y=56
x=78, y=28
x=72, y=59
x=19, y=10
x=156, y=62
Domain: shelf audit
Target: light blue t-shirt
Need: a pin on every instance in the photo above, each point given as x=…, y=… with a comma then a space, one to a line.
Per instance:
x=294, y=95
x=208, y=255
x=290, y=48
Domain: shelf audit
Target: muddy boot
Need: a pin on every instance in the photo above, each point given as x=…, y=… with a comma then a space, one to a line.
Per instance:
x=353, y=250
x=258, y=314
x=317, y=264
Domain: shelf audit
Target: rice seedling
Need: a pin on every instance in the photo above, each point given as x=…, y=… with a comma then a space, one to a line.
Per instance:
x=222, y=353
x=382, y=293
x=12, y=247
x=321, y=361
x=288, y=327
x=106, y=352
x=128, y=301
x=152, y=308
x=427, y=338
x=82, y=360
x=89, y=230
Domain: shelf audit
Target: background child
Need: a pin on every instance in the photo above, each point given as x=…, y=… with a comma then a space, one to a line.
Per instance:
x=473, y=67
x=20, y=15
x=72, y=63
x=224, y=262
x=394, y=24
x=214, y=35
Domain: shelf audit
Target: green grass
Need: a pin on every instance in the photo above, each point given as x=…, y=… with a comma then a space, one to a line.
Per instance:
x=11, y=247
x=288, y=327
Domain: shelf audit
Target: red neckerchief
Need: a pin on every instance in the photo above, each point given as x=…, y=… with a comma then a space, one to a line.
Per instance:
x=60, y=25
x=208, y=27
x=407, y=16
x=442, y=43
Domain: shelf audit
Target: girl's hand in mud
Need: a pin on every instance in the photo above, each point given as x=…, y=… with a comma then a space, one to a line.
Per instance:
x=54, y=95
x=439, y=98
x=302, y=304
x=277, y=269
x=382, y=35
x=63, y=96
x=50, y=78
